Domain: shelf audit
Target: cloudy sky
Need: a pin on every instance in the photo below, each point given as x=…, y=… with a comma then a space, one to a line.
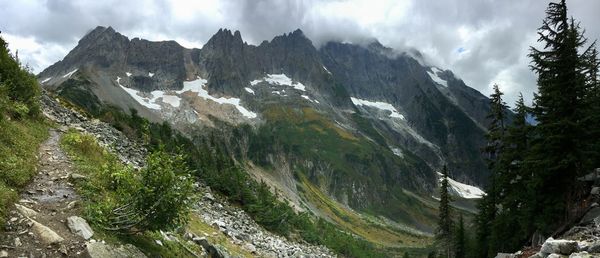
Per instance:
x=482, y=41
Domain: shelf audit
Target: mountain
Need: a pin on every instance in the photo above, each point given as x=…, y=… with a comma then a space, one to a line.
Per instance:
x=337, y=130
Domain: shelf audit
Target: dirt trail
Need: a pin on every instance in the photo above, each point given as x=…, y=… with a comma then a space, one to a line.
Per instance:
x=52, y=196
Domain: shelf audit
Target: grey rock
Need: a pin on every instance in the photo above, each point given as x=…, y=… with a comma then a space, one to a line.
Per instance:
x=594, y=247
x=589, y=216
x=559, y=246
x=581, y=255
x=80, y=227
x=76, y=176
x=595, y=190
x=102, y=250
x=556, y=256
x=3, y=254
x=45, y=234
x=18, y=242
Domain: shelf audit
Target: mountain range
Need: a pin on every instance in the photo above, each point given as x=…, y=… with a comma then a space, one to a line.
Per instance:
x=358, y=127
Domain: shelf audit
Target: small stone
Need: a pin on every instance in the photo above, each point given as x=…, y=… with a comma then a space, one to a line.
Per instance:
x=76, y=176
x=80, y=227
x=18, y=242
x=3, y=254
x=595, y=190
x=71, y=205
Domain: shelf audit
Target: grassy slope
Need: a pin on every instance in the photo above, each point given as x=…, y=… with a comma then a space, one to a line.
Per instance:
x=89, y=158
x=314, y=137
x=19, y=142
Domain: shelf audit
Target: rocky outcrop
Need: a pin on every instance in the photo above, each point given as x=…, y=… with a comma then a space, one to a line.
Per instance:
x=128, y=151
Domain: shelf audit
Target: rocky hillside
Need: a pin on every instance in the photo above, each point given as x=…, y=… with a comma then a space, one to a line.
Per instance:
x=47, y=222
x=365, y=125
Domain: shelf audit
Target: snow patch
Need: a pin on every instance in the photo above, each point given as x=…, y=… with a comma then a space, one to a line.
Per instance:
x=326, y=70
x=46, y=80
x=379, y=105
x=249, y=90
x=309, y=99
x=68, y=75
x=197, y=86
x=436, y=78
x=144, y=101
x=463, y=190
x=128, y=74
x=151, y=75
x=398, y=152
x=280, y=79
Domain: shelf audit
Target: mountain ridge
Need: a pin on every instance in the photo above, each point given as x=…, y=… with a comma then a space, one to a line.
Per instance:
x=297, y=90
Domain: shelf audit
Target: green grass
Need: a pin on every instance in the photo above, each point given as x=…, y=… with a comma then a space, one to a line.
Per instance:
x=19, y=142
x=93, y=161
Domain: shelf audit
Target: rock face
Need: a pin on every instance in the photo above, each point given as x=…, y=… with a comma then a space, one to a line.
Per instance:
x=79, y=226
x=436, y=118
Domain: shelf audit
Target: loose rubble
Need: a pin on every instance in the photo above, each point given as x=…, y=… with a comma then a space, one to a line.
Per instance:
x=236, y=224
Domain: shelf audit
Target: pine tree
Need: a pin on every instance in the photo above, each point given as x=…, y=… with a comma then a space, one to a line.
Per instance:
x=460, y=239
x=556, y=155
x=592, y=102
x=444, y=234
x=492, y=151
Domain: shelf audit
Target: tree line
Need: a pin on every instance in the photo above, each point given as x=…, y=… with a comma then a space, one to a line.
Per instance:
x=536, y=153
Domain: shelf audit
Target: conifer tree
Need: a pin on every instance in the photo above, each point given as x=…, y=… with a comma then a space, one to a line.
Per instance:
x=492, y=151
x=460, y=239
x=444, y=234
x=556, y=155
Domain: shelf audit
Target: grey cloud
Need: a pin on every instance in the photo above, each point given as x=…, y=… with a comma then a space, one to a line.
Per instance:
x=502, y=30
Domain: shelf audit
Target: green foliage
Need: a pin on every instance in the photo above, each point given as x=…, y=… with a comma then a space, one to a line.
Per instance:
x=19, y=141
x=158, y=197
x=536, y=167
x=19, y=90
x=211, y=156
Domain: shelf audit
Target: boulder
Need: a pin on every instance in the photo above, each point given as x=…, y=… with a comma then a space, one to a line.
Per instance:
x=46, y=235
x=3, y=254
x=80, y=227
x=594, y=247
x=559, y=246
x=595, y=190
x=101, y=250
x=556, y=256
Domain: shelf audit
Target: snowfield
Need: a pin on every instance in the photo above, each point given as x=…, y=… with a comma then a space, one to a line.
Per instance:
x=46, y=80
x=463, y=190
x=68, y=75
x=197, y=86
x=436, y=78
x=249, y=90
x=280, y=79
x=379, y=105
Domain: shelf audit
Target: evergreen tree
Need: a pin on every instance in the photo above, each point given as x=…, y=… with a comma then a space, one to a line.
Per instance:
x=511, y=225
x=444, y=234
x=592, y=102
x=492, y=151
x=460, y=239
x=556, y=155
